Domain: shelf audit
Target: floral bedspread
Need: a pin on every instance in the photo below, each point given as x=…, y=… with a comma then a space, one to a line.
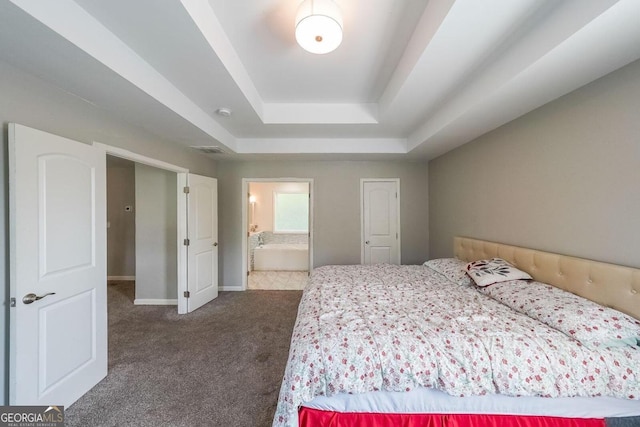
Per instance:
x=395, y=328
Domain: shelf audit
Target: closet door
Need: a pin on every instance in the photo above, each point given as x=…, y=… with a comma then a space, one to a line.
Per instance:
x=380, y=222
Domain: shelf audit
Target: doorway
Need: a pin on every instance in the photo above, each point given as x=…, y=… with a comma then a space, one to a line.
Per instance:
x=71, y=272
x=278, y=238
x=142, y=229
x=200, y=227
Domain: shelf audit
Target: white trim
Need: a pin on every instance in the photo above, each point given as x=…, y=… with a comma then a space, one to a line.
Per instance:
x=183, y=181
x=230, y=288
x=181, y=233
x=139, y=158
x=125, y=278
x=362, y=237
x=245, y=223
x=321, y=145
x=152, y=301
x=245, y=232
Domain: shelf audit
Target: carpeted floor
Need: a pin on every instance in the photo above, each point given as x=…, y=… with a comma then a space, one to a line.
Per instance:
x=219, y=366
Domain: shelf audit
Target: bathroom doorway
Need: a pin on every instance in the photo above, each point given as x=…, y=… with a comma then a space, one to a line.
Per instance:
x=278, y=245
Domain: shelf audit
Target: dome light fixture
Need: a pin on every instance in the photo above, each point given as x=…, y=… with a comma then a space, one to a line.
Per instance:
x=319, y=26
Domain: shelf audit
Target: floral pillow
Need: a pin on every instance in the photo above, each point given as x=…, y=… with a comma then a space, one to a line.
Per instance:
x=486, y=272
x=595, y=326
x=452, y=268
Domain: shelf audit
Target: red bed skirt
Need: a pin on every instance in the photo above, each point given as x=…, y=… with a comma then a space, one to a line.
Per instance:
x=318, y=418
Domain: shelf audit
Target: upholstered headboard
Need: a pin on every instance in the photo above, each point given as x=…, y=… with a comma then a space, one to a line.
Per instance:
x=611, y=285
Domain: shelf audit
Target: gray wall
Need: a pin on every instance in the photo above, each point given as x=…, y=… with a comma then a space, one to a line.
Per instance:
x=156, y=233
x=121, y=234
x=563, y=178
x=336, y=208
x=32, y=102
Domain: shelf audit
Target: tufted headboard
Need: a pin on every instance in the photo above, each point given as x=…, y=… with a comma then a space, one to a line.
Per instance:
x=610, y=285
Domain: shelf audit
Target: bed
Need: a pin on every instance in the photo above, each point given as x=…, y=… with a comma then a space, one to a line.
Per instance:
x=415, y=345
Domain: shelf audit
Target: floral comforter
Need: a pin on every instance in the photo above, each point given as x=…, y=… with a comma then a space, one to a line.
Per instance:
x=395, y=328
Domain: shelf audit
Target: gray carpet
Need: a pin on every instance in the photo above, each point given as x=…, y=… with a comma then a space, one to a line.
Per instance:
x=221, y=365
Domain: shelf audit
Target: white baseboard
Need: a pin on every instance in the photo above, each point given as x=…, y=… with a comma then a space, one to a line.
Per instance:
x=151, y=301
x=230, y=288
x=129, y=278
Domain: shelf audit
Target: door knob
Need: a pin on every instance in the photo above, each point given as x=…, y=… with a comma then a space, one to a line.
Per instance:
x=215, y=244
x=366, y=243
x=29, y=298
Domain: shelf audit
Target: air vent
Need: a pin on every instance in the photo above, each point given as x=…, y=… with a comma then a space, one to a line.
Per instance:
x=211, y=149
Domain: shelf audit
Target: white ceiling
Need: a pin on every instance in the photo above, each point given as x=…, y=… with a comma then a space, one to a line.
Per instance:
x=412, y=78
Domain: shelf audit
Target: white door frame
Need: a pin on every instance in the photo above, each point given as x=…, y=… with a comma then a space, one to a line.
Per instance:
x=181, y=206
x=245, y=222
x=362, y=236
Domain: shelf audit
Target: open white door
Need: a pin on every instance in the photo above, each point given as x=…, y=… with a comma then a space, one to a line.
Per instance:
x=380, y=222
x=58, y=334
x=202, y=250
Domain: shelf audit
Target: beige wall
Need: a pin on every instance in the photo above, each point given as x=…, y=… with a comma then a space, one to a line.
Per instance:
x=121, y=232
x=263, y=191
x=336, y=210
x=563, y=178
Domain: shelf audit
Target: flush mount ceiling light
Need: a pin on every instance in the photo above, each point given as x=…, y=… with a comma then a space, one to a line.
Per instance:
x=319, y=26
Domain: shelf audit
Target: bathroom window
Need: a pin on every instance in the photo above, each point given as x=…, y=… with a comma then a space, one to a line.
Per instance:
x=291, y=213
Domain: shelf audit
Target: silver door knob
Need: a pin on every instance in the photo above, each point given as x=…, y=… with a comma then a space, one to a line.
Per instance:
x=29, y=298
x=215, y=244
x=366, y=243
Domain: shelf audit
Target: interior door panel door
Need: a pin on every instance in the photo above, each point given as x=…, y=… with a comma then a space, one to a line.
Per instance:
x=380, y=222
x=58, y=333
x=202, y=252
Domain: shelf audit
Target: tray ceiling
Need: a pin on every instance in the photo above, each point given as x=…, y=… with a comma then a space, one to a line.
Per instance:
x=412, y=78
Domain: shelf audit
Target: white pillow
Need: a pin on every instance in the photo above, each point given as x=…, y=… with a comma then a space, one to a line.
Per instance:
x=488, y=271
x=451, y=268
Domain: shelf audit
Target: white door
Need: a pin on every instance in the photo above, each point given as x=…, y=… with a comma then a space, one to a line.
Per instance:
x=58, y=335
x=202, y=231
x=380, y=222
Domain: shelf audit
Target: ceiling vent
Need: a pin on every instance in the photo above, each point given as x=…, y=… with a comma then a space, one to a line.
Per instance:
x=211, y=149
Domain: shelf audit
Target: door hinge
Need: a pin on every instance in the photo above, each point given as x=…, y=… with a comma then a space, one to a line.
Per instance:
x=248, y=273
x=12, y=302
x=396, y=194
x=248, y=234
x=186, y=242
x=186, y=190
x=187, y=294
x=396, y=236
